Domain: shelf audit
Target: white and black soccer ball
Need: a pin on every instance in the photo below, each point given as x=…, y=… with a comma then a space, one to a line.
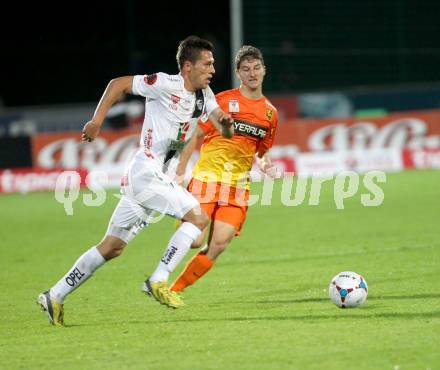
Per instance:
x=348, y=289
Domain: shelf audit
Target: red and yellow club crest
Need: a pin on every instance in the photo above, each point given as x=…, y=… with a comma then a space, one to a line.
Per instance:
x=269, y=114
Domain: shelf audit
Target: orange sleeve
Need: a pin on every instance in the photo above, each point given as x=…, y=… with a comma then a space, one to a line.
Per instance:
x=206, y=126
x=268, y=140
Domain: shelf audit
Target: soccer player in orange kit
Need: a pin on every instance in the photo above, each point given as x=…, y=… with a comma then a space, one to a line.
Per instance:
x=220, y=178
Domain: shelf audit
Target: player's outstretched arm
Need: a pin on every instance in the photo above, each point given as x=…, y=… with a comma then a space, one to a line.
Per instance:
x=114, y=92
x=223, y=122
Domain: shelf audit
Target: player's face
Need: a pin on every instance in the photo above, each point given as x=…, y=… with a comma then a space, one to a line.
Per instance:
x=202, y=71
x=251, y=73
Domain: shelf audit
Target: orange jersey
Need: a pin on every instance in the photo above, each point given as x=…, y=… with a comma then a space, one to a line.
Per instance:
x=230, y=160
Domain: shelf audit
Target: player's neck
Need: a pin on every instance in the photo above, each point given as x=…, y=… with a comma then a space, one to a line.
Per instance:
x=188, y=85
x=251, y=93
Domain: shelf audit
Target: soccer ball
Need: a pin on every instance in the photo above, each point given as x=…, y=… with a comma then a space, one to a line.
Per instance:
x=348, y=289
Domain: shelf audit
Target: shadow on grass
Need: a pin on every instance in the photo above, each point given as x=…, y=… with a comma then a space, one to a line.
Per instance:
x=365, y=312
x=370, y=298
x=343, y=314
x=312, y=317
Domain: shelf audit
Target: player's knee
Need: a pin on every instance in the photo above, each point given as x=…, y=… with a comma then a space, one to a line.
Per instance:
x=116, y=252
x=201, y=221
x=198, y=217
x=112, y=253
x=197, y=243
x=111, y=247
x=217, y=247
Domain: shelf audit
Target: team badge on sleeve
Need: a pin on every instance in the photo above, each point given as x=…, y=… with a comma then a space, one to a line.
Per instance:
x=204, y=117
x=233, y=106
x=150, y=79
x=269, y=114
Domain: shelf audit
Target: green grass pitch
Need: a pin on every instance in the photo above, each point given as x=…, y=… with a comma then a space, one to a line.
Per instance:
x=263, y=306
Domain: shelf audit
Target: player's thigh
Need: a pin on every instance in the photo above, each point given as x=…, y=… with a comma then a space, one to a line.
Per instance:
x=227, y=222
x=222, y=233
x=209, y=209
x=128, y=219
x=204, y=192
x=231, y=215
x=154, y=190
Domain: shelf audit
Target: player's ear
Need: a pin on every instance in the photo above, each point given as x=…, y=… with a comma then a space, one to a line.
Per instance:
x=186, y=66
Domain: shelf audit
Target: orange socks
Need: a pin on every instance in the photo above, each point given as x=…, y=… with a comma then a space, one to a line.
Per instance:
x=198, y=266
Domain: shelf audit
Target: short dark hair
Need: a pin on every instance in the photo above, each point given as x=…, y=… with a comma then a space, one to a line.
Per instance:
x=248, y=52
x=190, y=48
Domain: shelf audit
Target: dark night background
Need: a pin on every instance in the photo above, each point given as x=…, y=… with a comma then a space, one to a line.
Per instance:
x=66, y=53
x=70, y=56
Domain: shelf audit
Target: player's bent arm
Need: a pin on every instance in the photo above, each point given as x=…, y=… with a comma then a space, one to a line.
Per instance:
x=114, y=92
x=116, y=88
x=186, y=155
x=223, y=122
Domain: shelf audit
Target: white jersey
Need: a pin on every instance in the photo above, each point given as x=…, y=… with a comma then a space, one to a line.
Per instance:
x=171, y=114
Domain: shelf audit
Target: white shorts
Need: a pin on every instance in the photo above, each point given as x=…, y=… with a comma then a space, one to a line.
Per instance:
x=152, y=189
x=147, y=197
x=128, y=219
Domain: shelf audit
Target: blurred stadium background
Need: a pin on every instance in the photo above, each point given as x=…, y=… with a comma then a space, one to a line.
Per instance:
x=357, y=84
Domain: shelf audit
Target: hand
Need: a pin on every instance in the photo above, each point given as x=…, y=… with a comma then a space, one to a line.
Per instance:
x=265, y=165
x=227, y=124
x=273, y=172
x=225, y=119
x=180, y=179
x=179, y=175
x=90, y=131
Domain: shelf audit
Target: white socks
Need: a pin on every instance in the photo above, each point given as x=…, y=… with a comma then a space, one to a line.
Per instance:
x=177, y=248
x=89, y=262
x=82, y=269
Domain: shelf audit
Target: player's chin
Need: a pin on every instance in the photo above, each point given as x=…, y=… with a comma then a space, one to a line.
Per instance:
x=207, y=81
x=254, y=83
x=202, y=86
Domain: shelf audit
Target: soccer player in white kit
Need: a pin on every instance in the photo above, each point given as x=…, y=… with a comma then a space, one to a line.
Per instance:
x=173, y=105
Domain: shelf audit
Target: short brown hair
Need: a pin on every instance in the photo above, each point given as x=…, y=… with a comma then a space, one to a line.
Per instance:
x=190, y=48
x=247, y=52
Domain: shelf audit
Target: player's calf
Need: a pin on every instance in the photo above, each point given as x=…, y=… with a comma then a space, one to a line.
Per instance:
x=111, y=247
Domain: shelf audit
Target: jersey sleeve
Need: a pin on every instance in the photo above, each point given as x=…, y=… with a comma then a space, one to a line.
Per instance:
x=211, y=103
x=269, y=138
x=149, y=86
x=205, y=124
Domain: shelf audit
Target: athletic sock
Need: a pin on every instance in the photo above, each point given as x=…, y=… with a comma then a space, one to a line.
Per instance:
x=83, y=268
x=198, y=266
x=204, y=248
x=177, y=248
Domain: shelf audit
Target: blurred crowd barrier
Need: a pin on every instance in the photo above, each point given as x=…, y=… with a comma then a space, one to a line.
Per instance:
x=318, y=134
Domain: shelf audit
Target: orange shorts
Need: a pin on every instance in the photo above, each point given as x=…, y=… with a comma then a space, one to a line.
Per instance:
x=221, y=201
